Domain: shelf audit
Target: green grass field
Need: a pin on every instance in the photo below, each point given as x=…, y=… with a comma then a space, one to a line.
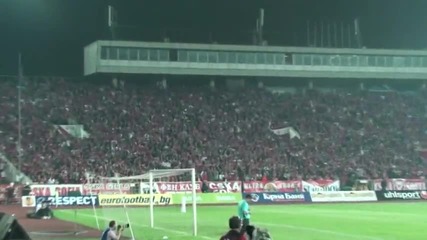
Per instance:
x=391, y=221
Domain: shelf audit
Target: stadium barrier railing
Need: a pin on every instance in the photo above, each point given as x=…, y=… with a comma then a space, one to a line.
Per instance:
x=320, y=190
x=221, y=187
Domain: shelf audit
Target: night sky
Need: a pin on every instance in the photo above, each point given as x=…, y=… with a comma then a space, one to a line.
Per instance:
x=51, y=34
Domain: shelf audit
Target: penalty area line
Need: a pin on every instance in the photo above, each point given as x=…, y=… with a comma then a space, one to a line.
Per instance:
x=146, y=226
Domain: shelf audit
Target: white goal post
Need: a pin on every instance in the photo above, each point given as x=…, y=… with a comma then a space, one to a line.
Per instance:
x=150, y=180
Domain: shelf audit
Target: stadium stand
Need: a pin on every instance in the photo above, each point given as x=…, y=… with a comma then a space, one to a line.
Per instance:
x=134, y=129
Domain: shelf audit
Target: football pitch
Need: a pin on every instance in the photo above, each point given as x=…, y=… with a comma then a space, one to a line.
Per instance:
x=367, y=221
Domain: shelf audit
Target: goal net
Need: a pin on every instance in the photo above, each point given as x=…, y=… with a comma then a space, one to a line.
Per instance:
x=151, y=213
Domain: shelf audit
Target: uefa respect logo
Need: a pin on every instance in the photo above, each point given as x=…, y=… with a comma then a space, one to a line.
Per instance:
x=68, y=200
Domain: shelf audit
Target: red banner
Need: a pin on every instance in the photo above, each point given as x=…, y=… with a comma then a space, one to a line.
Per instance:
x=85, y=189
x=275, y=186
x=398, y=184
x=225, y=187
x=46, y=190
x=177, y=187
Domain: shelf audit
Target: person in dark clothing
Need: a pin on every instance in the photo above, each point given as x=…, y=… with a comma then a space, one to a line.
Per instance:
x=205, y=187
x=26, y=190
x=384, y=184
x=42, y=211
x=112, y=232
x=236, y=232
x=254, y=233
x=10, y=193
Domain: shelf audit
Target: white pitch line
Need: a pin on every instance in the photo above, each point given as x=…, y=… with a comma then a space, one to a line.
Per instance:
x=316, y=230
x=329, y=211
x=141, y=225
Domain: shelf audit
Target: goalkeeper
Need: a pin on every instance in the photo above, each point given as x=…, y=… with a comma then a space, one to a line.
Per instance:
x=243, y=210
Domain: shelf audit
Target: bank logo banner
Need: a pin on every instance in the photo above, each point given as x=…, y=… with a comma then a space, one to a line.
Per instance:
x=277, y=197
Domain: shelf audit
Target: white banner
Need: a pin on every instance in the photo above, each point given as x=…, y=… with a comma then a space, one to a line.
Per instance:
x=344, y=196
x=107, y=188
x=321, y=186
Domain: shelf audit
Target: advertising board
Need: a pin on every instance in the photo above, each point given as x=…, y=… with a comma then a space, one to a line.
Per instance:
x=280, y=198
x=85, y=200
x=401, y=195
x=344, y=196
x=134, y=199
x=209, y=198
x=28, y=201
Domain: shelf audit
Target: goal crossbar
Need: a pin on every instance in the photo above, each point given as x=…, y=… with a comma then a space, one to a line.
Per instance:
x=156, y=174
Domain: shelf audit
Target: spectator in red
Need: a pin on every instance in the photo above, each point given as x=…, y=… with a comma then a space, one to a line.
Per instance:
x=264, y=179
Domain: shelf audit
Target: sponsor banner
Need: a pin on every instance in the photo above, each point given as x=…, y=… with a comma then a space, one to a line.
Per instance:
x=344, y=196
x=134, y=199
x=280, y=198
x=51, y=190
x=185, y=187
x=321, y=186
x=274, y=186
x=28, y=201
x=107, y=188
x=69, y=200
x=85, y=189
x=401, y=195
x=209, y=198
x=398, y=184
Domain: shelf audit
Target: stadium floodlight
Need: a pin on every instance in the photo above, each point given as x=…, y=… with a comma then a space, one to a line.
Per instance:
x=141, y=192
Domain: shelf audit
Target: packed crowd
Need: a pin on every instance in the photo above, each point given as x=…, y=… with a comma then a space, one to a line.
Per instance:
x=135, y=128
